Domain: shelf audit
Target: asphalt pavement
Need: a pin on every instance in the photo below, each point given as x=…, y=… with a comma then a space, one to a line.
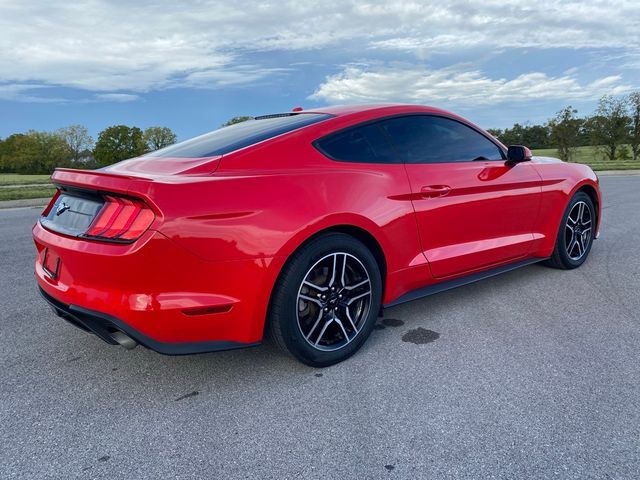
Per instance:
x=531, y=374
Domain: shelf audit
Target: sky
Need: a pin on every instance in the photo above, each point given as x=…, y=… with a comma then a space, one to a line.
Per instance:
x=192, y=65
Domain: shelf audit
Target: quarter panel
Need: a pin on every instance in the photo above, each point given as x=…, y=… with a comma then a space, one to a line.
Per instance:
x=266, y=215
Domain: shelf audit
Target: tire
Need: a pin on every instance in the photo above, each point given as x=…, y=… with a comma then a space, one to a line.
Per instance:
x=575, y=235
x=326, y=300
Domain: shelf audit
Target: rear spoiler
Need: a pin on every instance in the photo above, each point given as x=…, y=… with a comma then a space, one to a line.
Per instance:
x=90, y=178
x=99, y=180
x=104, y=183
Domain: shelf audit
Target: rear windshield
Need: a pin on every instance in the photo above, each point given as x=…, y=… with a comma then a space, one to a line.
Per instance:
x=240, y=135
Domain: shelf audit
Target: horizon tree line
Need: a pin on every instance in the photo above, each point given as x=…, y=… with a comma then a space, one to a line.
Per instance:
x=614, y=129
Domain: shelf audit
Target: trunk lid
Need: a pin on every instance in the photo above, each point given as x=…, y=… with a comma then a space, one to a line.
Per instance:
x=161, y=166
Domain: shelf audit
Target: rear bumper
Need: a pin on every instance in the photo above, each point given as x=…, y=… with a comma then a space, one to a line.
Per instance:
x=156, y=292
x=105, y=326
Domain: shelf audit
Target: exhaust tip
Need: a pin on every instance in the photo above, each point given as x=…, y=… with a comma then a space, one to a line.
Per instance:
x=124, y=340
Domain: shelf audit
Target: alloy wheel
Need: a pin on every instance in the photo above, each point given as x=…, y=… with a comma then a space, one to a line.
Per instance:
x=578, y=230
x=333, y=301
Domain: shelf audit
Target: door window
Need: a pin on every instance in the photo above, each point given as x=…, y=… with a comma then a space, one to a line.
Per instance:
x=433, y=139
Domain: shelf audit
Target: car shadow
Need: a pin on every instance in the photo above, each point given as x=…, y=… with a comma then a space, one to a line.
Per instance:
x=188, y=378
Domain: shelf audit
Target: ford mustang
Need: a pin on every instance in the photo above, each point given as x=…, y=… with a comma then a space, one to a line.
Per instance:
x=304, y=225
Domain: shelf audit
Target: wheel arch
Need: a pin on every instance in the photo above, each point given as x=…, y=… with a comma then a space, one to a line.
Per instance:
x=593, y=194
x=592, y=189
x=356, y=231
x=363, y=236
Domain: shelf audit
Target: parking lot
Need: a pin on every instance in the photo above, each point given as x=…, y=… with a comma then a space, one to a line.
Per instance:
x=535, y=373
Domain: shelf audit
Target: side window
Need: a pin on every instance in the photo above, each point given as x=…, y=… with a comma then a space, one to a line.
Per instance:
x=432, y=139
x=365, y=144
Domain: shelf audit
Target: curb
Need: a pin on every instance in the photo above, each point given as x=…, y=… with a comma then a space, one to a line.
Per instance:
x=25, y=202
x=617, y=172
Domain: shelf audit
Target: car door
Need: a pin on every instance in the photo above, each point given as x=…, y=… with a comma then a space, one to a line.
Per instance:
x=473, y=210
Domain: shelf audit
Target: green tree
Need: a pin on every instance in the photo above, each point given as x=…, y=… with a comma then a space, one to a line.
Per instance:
x=34, y=152
x=235, y=120
x=610, y=126
x=623, y=153
x=536, y=136
x=564, y=131
x=78, y=140
x=496, y=132
x=2, y=153
x=117, y=143
x=634, y=134
x=533, y=136
x=8, y=149
x=156, y=138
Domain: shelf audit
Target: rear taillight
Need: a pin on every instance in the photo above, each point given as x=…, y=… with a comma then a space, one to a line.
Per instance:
x=121, y=219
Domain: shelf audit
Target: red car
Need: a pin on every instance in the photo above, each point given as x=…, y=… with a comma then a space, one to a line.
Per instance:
x=305, y=224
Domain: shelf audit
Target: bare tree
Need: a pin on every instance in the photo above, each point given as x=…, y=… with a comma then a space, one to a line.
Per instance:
x=78, y=140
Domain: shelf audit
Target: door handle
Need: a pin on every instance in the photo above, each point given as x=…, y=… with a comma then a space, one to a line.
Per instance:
x=431, y=191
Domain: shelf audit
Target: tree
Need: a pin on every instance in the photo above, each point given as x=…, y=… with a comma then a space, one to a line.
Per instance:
x=78, y=140
x=536, y=136
x=623, y=153
x=610, y=126
x=156, y=138
x=117, y=143
x=496, y=132
x=533, y=136
x=564, y=132
x=34, y=152
x=8, y=149
x=633, y=101
x=235, y=120
x=3, y=147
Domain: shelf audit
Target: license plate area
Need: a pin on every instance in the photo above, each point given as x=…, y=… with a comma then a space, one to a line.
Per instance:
x=51, y=263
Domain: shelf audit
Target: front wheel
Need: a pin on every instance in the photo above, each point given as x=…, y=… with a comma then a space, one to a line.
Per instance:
x=326, y=300
x=575, y=235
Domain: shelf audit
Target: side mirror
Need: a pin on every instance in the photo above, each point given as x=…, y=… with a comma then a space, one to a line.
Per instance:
x=518, y=153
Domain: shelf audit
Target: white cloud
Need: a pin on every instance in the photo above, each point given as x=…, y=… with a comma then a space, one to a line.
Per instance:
x=416, y=84
x=25, y=92
x=140, y=46
x=240, y=75
x=117, y=97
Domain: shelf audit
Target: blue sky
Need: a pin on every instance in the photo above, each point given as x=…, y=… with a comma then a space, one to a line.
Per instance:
x=193, y=65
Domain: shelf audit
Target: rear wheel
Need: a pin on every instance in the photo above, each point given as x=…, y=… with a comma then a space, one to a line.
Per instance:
x=326, y=301
x=575, y=235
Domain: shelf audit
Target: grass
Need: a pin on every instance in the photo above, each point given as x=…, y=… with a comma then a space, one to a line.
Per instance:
x=11, y=189
x=590, y=156
x=20, y=193
x=18, y=179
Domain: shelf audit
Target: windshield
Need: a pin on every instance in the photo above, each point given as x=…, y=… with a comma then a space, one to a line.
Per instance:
x=240, y=135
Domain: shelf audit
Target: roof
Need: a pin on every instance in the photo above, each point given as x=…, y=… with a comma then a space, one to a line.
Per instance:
x=343, y=110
